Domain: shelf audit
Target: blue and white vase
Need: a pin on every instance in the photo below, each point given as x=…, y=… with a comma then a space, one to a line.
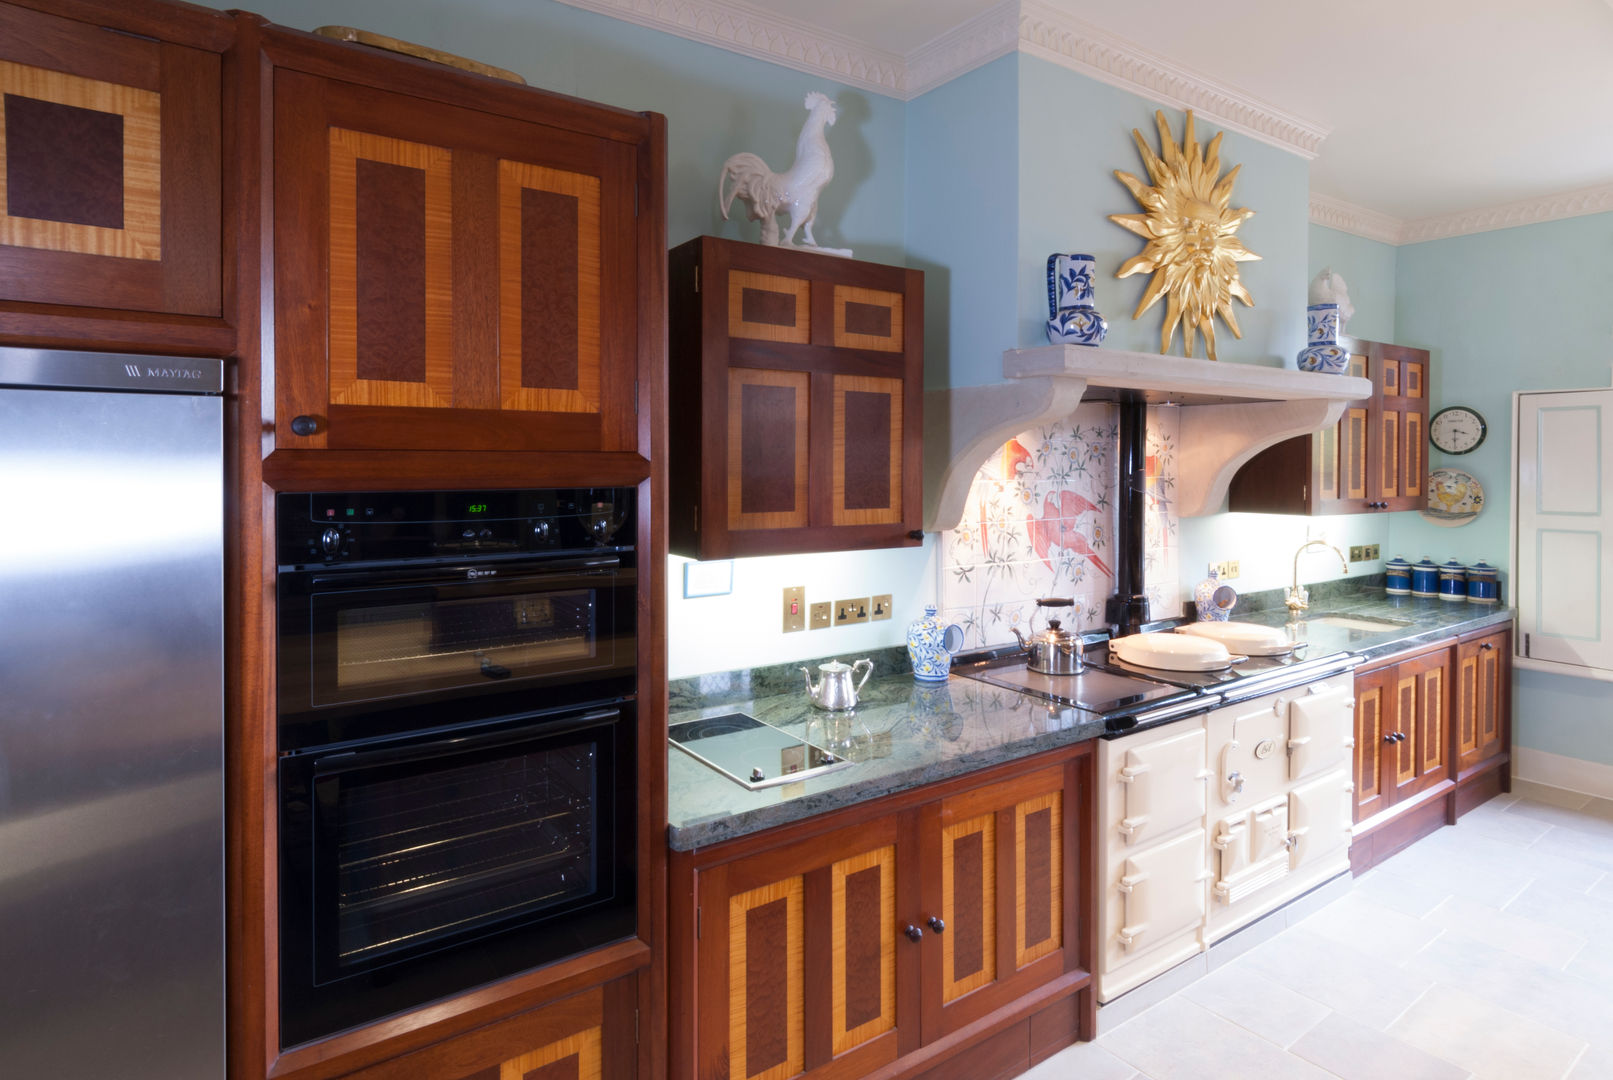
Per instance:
x=1397, y=577
x=1072, y=320
x=930, y=646
x=1324, y=354
x=1212, y=600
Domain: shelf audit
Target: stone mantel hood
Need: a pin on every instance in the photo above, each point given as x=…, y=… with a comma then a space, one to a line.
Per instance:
x=1230, y=412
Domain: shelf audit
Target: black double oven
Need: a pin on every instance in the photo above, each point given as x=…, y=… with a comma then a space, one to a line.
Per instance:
x=456, y=675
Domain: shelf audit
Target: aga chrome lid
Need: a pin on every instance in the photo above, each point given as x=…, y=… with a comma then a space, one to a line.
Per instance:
x=1172, y=652
x=1249, y=639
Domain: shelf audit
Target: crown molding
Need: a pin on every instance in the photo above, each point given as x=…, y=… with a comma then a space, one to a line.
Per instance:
x=1051, y=34
x=1568, y=204
x=1355, y=220
x=1025, y=25
x=971, y=44
x=765, y=35
x=1359, y=221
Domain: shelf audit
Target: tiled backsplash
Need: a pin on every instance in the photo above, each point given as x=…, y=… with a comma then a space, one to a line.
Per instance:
x=1040, y=521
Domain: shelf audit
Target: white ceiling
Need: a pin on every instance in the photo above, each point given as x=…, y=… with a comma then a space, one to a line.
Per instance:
x=1433, y=107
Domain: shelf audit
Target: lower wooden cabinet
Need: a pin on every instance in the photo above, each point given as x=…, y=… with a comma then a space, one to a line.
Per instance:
x=836, y=952
x=1432, y=740
x=588, y=1036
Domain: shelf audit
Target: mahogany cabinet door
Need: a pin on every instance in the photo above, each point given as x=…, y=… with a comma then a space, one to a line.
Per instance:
x=1373, y=741
x=999, y=874
x=1482, y=694
x=447, y=278
x=1419, y=758
x=803, y=957
x=1400, y=427
x=803, y=376
x=588, y=1036
x=110, y=153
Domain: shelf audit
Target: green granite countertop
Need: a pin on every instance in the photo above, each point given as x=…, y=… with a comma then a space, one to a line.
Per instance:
x=904, y=734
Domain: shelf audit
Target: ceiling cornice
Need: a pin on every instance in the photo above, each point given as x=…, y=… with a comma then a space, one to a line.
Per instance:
x=1359, y=221
x=1051, y=34
x=1025, y=25
x=752, y=31
x=1356, y=220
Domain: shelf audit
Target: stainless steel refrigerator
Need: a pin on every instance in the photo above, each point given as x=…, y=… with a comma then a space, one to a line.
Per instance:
x=111, y=717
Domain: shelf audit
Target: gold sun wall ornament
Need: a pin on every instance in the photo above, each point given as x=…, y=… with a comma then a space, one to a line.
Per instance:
x=1192, y=247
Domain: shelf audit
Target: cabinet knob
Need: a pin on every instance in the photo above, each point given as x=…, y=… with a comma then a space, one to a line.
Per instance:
x=304, y=425
x=936, y=924
x=914, y=933
x=1389, y=737
x=1487, y=646
x=916, y=534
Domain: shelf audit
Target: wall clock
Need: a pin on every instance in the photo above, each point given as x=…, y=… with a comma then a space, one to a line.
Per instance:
x=1457, y=429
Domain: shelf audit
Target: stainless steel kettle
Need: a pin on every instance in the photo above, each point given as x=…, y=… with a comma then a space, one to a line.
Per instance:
x=1054, y=651
x=835, y=690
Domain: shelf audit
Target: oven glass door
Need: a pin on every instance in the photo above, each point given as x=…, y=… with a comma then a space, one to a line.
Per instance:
x=355, y=642
x=419, y=867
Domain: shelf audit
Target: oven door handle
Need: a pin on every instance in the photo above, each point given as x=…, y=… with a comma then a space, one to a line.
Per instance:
x=462, y=575
x=348, y=760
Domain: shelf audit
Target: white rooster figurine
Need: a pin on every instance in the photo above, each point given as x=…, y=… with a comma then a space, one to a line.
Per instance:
x=794, y=193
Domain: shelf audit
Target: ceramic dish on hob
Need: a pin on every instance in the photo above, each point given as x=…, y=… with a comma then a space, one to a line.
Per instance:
x=1172, y=652
x=1240, y=637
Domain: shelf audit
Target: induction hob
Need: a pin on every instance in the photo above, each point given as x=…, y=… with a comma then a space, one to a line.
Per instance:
x=1125, y=700
x=751, y=753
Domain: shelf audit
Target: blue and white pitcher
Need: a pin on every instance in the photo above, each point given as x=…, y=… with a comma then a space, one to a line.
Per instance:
x=930, y=646
x=1072, y=320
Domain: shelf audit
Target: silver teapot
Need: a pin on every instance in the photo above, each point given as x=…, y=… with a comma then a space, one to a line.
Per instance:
x=1054, y=651
x=835, y=690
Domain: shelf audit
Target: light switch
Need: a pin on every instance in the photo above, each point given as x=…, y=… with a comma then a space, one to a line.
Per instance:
x=794, y=608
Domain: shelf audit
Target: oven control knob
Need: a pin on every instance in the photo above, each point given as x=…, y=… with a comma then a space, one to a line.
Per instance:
x=330, y=541
x=541, y=531
x=484, y=534
x=1235, y=781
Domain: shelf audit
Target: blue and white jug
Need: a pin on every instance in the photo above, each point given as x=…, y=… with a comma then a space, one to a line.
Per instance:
x=1323, y=354
x=930, y=646
x=1071, y=318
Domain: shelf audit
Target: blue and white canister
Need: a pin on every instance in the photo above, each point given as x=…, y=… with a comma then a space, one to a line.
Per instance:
x=1425, y=578
x=1323, y=353
x=1397, y=577
x=930, y=646
x=1071, y=318
x=1483, y=583
x=1453, y=581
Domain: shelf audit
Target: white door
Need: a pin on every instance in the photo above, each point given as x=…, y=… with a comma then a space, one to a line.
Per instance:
x=1164, y=782
x=1163, y=891
x=1320, y=728
x=1319, y=818
x=1563, y=507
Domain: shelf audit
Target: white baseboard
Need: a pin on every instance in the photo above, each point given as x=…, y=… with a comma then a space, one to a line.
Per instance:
x=1562, y=771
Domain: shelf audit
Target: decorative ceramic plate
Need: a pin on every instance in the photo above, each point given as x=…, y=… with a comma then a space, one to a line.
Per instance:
x=1454, y=497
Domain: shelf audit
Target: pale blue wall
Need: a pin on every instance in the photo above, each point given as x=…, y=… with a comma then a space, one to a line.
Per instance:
x=1073, y=133
x=962, y=212
x=1515, y=309
x=1368, y=268
x=716, y=103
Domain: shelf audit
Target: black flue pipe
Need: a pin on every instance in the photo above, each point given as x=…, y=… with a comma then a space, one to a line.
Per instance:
x=1127, y=609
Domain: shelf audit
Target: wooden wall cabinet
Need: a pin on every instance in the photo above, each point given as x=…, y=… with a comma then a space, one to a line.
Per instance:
x=836, y=953
x=796, y=398
x=589, y=1036
x=112, y=158
x=1374, y=459
x=451, y=273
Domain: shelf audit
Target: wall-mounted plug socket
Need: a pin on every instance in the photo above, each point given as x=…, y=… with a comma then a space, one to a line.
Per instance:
x=1371, y=552
x=821, y=617
x=794, y=608
x=1357, y=552
x=851, y=611
x=881, y=608
x=1227, y=570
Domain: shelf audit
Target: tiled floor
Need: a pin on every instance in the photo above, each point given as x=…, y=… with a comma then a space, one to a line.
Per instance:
x=1484, y=950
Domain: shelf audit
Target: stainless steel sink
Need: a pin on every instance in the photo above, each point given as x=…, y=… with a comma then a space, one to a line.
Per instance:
x=1356, y=622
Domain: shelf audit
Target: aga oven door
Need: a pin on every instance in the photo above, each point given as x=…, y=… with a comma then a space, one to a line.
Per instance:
x=417, y=868
x=366, y=652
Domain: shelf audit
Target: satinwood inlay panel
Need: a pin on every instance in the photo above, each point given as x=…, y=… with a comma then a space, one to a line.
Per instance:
x=1355, y=421
x=765, y=1014
x=1389, y=462
x=867, y=458
x=83, y=164
x=863, y=932
x=391, y=286
x=1467, y=688
x=867, y=319
x=969, y=900
x=767, y=459
x=576, y=1057
x=550, y=271
x=1039, y=873
x=769, y=307
x=1432, y=750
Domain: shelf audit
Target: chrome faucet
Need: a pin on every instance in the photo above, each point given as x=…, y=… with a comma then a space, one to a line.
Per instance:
x=1298, y=598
